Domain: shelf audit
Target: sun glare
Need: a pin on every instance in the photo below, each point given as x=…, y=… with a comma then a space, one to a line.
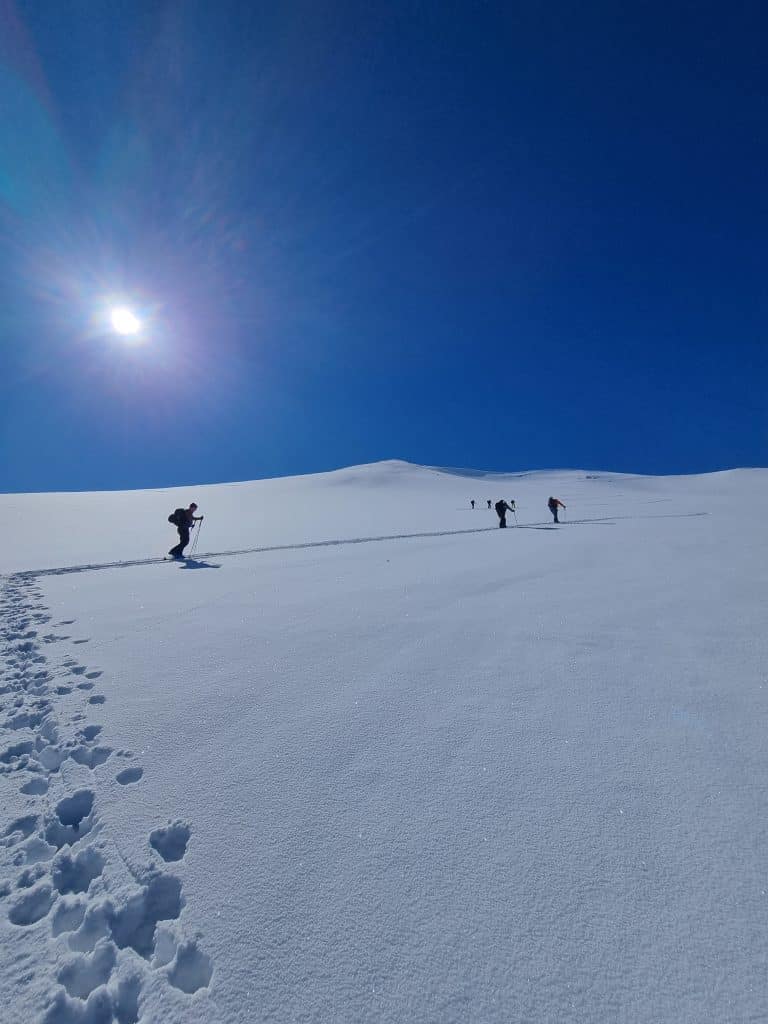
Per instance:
x=124, y=321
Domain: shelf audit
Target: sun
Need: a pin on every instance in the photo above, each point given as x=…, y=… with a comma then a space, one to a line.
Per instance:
x=124, y=321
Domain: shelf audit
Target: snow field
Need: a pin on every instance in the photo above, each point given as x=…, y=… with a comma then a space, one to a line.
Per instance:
x=485, y=776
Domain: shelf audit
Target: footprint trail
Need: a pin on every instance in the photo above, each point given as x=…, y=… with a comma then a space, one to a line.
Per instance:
x=111, y=928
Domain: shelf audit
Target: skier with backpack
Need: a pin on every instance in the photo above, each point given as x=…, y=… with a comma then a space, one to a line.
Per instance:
x=183, y=519
x=553, y=505
x=501, y=511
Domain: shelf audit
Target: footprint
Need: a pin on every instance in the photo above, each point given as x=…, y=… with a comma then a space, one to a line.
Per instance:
x=101, y=1006
x=36, y=849
x=92, y=757
x=90, y=732
x=74, y=819
x=170, y=842
x=35, y=787
x=32, y=906
x=81, y=641
x=165, y=948
x=94, y=675
x=25, y=720
x=72, y=809
x=135, y=924
x=77, y=670
x=68, y=916
x=61, y=690
x=20, y=829
x=30, y=876
x=16, y=751
x=127, y=1000
x=97, y=699
x=51, y=757
x=95, y=926
x=75, y=874
x=83, y=974
x=85, y=686
x=191, y=970
x=127, y=775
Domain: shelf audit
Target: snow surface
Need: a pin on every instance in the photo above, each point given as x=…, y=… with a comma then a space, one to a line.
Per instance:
x=466, y=776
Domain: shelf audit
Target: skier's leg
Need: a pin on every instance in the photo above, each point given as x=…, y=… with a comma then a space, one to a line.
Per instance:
x=178, y=551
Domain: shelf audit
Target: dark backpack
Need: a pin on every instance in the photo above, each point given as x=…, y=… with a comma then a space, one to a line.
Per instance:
x=178, y=516
x=500, y=507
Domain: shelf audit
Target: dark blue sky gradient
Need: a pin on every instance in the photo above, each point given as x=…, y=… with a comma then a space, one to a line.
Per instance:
x=499, y=235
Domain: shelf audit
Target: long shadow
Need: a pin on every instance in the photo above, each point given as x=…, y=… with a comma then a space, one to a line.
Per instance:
x=193, y=563
x=573, y=522
x=612, y=519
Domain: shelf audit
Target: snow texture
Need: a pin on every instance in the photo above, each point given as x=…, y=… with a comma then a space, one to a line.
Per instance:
x=367, y=758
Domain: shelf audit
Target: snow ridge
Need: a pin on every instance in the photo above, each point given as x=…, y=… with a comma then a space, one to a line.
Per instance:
x=112, y=926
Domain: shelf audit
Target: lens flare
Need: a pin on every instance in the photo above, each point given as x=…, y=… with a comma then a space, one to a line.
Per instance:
x=124, y=321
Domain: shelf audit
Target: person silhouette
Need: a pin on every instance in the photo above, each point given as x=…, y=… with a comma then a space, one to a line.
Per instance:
x=501, y=511
x=553, y=505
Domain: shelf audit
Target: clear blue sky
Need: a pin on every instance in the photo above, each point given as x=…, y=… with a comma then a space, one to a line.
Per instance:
x=492, y=234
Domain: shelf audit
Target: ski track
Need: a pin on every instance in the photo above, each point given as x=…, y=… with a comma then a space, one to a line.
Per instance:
x=64, y=570
x=60, y=868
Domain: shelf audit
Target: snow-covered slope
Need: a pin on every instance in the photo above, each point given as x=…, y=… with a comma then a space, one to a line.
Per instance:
x=387, y=498
x=462, y=775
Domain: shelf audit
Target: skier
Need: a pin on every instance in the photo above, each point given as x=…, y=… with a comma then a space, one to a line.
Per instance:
x=183, y=519
x=553, y=505
x=489, y=503
x=472, y=502
x=501, y=511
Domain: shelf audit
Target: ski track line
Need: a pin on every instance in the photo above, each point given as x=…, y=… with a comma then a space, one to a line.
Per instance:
x=64, y=882
x=130, y=563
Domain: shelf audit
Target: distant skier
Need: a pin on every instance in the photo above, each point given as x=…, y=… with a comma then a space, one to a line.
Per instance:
x=553, y=505
x=183, y=519
x=489, y=503
x=472, y=502
x=501, y=511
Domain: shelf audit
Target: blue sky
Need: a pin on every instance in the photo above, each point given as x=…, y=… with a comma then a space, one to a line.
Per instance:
x=497, y=235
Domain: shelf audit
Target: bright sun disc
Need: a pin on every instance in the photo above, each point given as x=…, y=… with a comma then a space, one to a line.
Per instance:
x=124, y=321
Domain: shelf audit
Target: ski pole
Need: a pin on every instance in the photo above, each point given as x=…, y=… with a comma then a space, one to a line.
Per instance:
x=197, y=538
